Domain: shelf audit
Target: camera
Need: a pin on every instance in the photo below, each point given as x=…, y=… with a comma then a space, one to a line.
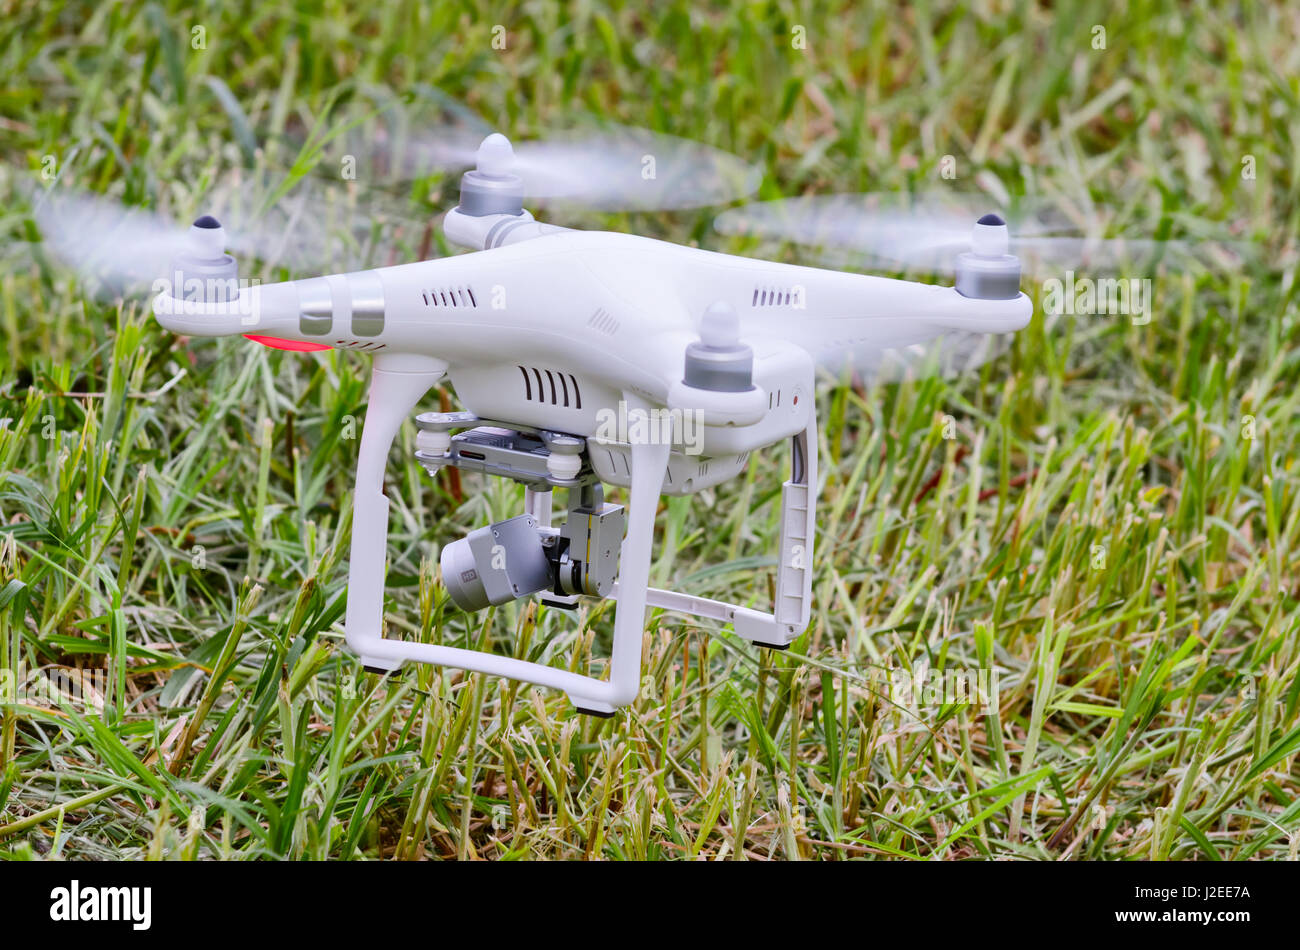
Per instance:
x=514, y=558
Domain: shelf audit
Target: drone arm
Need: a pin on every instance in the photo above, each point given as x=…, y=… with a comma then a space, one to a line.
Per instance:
x=943, y=307
x=260, y=308
x=484, y=232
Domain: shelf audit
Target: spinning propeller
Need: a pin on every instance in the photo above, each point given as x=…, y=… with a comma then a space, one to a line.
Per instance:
x=309, y=228
x=981, y=244
x=929, y=233
x=317, y=223
x=601, y=167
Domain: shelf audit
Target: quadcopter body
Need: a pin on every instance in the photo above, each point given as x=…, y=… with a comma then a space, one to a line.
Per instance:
x=585, y=359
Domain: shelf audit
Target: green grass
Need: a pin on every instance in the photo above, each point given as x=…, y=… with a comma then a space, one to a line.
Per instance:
x=1105, y=528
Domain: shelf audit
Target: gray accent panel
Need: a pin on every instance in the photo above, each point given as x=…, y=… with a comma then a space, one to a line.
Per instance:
x=499, y=232
x=367, y=303
x=315, y=307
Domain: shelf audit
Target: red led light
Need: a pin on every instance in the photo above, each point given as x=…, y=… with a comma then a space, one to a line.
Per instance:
x=275, y=343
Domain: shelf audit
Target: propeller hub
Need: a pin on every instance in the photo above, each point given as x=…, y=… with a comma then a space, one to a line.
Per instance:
x=720, y=326
x=207, y=239
x=493, y=186
x=495, y=157
x=989, y=237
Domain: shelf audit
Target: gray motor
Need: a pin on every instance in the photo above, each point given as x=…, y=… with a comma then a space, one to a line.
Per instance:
x=518, y=557
x=987, y=271
x=719, y=361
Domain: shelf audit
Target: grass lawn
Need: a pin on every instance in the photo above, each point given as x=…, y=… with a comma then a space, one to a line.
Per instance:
x=1106, y=517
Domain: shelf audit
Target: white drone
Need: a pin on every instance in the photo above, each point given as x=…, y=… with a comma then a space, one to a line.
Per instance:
x=547, y=334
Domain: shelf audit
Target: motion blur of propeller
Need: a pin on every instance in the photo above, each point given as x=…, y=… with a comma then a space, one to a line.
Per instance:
x=947, y=356
x=985, y=243
x=603, y=168
x=312, y=225
x=620, y=170
x=927, y=233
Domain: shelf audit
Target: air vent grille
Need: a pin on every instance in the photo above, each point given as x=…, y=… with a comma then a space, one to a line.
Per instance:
x=551, y=387
x=450, y=298
x=777, y=297
x=370, y=345
x=603, y=321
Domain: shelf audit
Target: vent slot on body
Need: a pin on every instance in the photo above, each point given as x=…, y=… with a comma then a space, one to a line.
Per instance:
x=450, y=297
x=777, y=297
x=603, y=321
x=551, y=387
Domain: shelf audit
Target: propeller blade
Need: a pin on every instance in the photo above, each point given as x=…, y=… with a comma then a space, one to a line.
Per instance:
x=101, y=239
x=632, y=169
